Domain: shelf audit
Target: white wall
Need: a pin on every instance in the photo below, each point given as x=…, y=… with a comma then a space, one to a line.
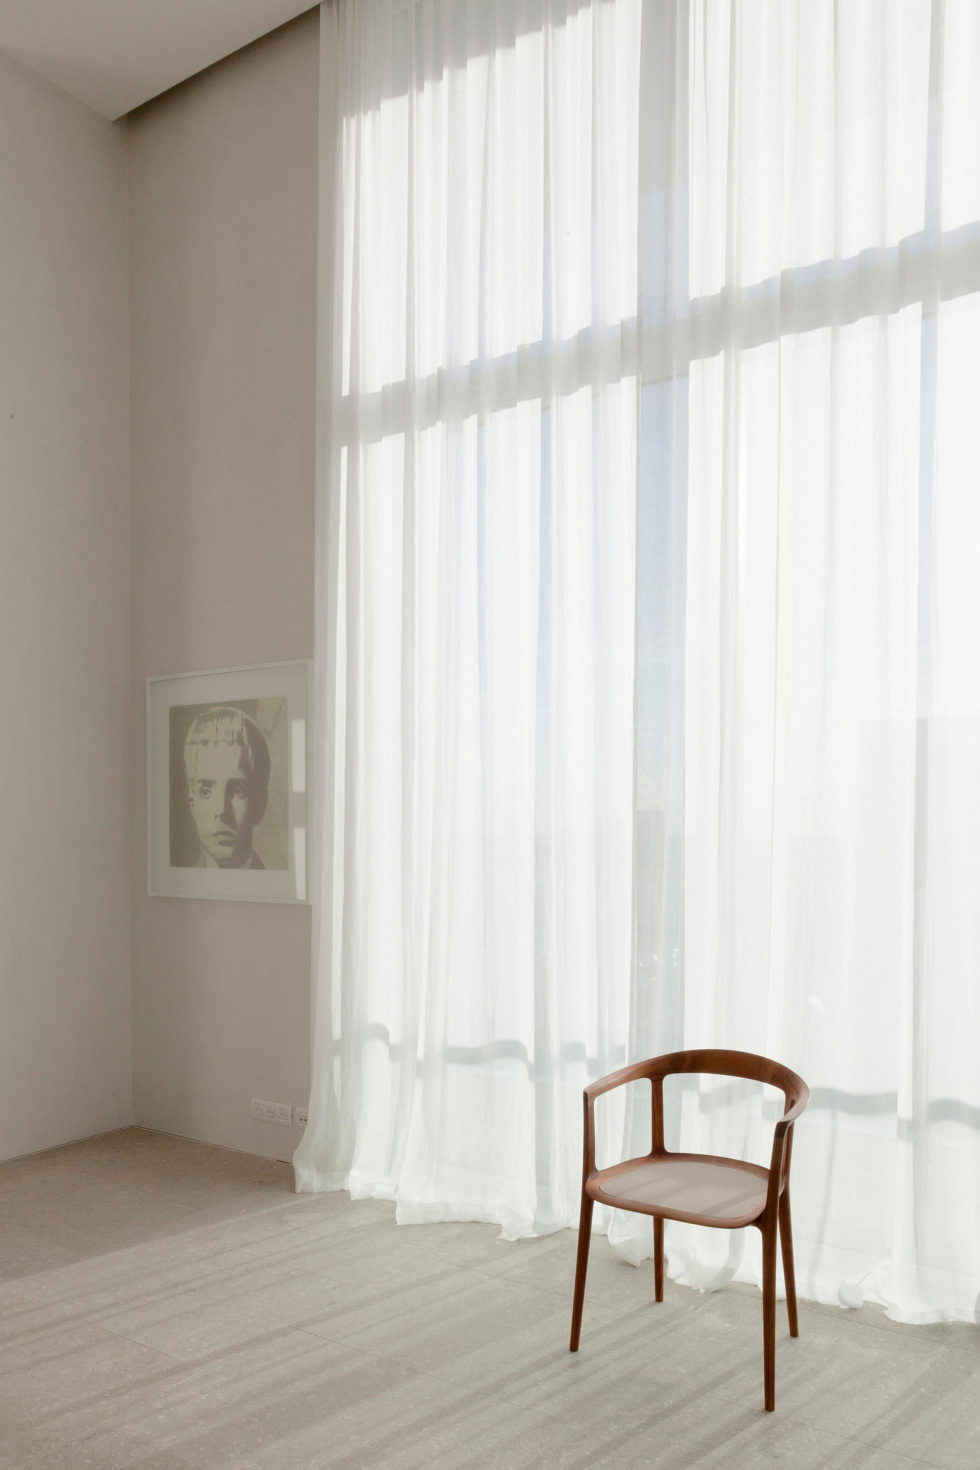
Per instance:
x=223, y=293
x=64, y=614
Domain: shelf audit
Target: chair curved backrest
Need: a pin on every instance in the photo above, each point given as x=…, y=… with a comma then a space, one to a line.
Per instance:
x=744, y=1064
x=720, y=1063
x=715, y=1062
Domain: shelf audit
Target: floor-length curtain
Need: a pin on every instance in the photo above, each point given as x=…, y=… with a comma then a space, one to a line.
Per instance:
x=480, y=609
x=649, y=629
x=833, y=614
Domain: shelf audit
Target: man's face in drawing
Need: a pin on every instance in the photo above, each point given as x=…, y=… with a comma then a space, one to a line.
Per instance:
x=224, y=803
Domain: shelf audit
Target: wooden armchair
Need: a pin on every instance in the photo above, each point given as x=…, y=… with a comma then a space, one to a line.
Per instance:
x=702, y=1189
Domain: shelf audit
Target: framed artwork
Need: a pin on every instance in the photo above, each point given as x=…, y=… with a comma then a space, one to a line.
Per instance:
x=227, y=787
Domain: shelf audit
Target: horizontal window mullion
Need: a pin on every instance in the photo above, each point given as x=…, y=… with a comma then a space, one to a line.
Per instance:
x=880, y=282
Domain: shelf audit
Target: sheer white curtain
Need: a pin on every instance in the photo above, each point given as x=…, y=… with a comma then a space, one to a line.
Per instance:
x=833, y=614
x=649, y=630
x=478, y=602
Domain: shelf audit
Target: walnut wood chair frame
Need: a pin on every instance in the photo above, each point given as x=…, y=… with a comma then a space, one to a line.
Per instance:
x=732, y=1193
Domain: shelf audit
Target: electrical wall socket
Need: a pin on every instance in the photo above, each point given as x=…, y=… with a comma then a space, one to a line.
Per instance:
x=272, y=1112
x=301, y=1116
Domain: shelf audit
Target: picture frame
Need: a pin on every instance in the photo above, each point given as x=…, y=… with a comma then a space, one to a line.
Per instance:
x=227, y=764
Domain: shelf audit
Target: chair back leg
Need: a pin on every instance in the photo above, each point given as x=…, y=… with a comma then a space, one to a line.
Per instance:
x=581, y=1267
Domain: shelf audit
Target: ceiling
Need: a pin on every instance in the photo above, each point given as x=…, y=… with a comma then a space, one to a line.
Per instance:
x=115, y=54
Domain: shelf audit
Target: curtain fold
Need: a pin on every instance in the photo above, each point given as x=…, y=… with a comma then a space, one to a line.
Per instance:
x=648, y=665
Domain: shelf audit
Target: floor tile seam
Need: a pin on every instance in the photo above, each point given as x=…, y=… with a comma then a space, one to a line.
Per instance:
x=918, y=1460
x=856, y=1437
x=76, y=1301
x=501, y=1279
x=896, y=1332
x=254, y=1254
x=193, y=1313
x=473, y=1394
x=924, y=1356
x=477, y=1394
x=323, y=1243
x=279, y=1273
x=350, y=1342
x=322, y=1236
x=386, y=1282
x=508, y=1273
x=474, y=1391
x=362, y=1352
x=349, y=1336
x=156, y=1286
x=88, y=1248
x=912, y=1350
x=595, y=1371
x=878, y=1315
x=899, y=1341
x=304, y=1320
x=284, y=1198
x=593, y=1299
x=200, y=1358
x=424, y=1408
x=329, y=1227
x=60, y=1321
x=69, y=1437
x=778, y=1421
x=182, y=1140
x=256, y=1219
x=40, y=1452
x=134, y=1341
x=778, y=1416
x=887, y=1441
x=674, y=1438
x=38, y=1231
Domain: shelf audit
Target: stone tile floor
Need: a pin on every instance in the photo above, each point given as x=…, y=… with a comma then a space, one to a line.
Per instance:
x=172, y=1306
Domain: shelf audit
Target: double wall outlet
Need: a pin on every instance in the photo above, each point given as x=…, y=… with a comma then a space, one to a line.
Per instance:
x=276, y=1112
x=272, y=1112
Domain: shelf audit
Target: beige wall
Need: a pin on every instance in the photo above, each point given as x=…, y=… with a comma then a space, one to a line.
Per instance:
x=223, y=292
x=64, y=612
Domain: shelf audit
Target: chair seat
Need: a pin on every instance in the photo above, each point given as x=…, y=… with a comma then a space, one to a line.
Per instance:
x=725, y=1194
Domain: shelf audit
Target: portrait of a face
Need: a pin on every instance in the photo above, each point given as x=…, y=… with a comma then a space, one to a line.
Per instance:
x=226, y=759
x=221, y=773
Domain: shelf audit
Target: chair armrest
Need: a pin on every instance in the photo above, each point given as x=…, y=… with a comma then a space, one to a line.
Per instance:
x=791, y=1114
x=634, y=1073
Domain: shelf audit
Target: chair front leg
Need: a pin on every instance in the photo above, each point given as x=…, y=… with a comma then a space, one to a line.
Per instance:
x=769, y=1228
x=581, y=1266
x=789, y=1276
x=658, y=1258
